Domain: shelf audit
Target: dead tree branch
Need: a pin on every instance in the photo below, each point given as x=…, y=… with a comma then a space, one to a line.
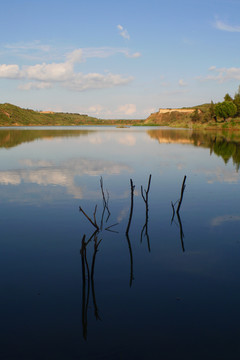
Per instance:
x=131, y=260
x=109, y=227
x=181, y=231
x=90, y=220
x=145, y=198
x=96, y=244
x=182, y=192
x=105, y=202
x=131, y=209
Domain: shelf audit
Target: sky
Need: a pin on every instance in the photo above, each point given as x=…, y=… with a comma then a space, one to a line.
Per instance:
x=118, y=58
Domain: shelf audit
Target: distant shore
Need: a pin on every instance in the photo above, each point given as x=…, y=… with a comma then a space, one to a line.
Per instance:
x=14, y=116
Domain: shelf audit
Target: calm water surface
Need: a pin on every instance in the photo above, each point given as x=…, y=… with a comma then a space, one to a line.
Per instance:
x=168, y=289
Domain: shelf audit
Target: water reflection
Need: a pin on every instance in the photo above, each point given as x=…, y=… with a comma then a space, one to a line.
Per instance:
x=14, y=137
x=174, y=295
x=88, y=284
x=65, y=174
x=179, y=202
x=145, y=199
x=223, y=144
x=88, y=280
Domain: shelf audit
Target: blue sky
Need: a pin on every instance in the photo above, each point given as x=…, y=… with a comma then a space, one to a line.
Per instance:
x=118, y=59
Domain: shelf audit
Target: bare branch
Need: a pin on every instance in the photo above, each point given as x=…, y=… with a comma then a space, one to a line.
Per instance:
x=93, y=223
x=182, y=191
x=131, y=209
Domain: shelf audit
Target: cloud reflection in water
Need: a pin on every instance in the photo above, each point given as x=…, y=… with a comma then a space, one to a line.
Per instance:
x=47, y=173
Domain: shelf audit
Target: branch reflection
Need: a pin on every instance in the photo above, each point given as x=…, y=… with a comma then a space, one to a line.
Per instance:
x=88, y=285
x=145, y=199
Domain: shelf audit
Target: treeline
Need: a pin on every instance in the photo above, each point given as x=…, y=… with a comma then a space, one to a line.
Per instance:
x=229, y=108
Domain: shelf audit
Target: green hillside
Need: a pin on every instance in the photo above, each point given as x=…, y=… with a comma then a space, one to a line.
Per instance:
x=11, y=115
x=202, y=116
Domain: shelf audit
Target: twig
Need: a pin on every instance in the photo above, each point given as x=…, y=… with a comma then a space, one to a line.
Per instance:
x=105, y=202
x=145, y=198
x=182, y=191
x=131, y=260
x=84, y=295
x=131, y=209
x=96, y=244
x=173, y=208
x=93, y=223
x=94, y=215
x=109, y=227
x=95, y=233
x=181, y=231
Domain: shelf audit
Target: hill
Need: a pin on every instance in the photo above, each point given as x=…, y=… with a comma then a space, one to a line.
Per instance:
x=196, y=117
x=11, y=115
x=200, y=116
x=177, y=117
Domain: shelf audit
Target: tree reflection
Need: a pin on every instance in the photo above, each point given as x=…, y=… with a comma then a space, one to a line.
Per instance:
x=12, y=138
x=221, y=143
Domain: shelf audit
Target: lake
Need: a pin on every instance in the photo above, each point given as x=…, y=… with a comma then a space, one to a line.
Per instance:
x=95, y=260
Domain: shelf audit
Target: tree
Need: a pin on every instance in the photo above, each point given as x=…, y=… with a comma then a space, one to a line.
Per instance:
x=236, y=101
x=212, y=110
x=195, y=116
x=227, y=97
x=225, y=109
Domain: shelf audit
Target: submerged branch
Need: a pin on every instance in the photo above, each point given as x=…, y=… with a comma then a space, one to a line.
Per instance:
x=181, y=231
x=109, y=227
x=89, y=219
x=145, y=226
x=182, y=192
x=96, y=244
x=131, y=260
x=105, y=202
x=131, y=209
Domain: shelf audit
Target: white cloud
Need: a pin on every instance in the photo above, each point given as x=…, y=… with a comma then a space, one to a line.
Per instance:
x=128, y=140
x=123, y=32
x=82, y=82
x=223, y=74
x=217, y=221
x=49, y=72
x=35, y=163
x=45, y=75
x=218, y=174
x=35, y=85
x=9, y=71
x=127, y=109
x=220, y=25
x=123, y=214
x=95, y=109
x=35, y=45
x=133, y=56
x=181, y=82
x=212, y=68
x=75, y=56
x=104, y=52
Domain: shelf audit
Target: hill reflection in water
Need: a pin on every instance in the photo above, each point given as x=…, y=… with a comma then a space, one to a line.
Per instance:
x=14, y=137
x=223, y=144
